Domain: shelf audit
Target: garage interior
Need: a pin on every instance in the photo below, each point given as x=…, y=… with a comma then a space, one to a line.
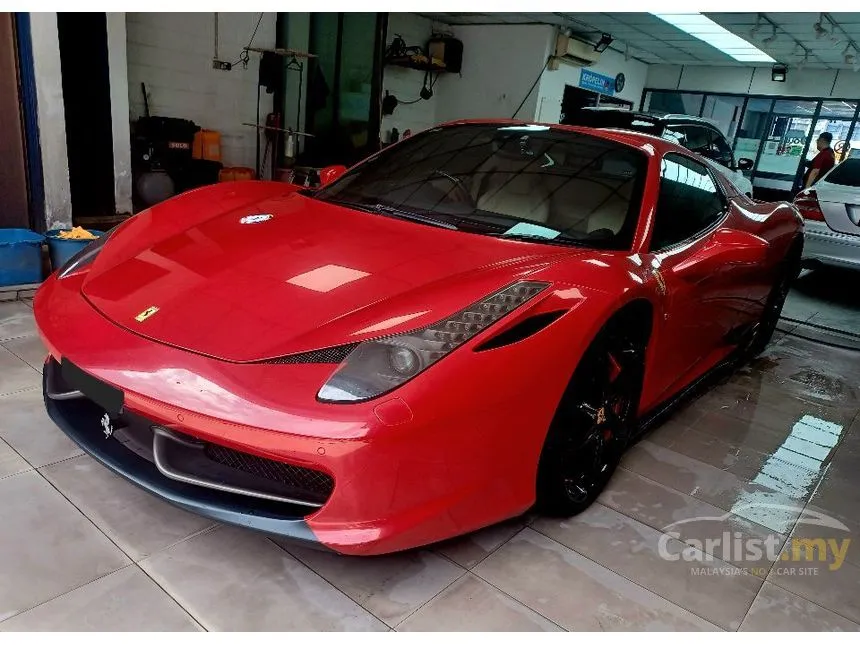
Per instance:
x=103, y=115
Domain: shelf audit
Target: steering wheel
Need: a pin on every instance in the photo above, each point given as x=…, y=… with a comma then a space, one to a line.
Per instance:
x=463, y=192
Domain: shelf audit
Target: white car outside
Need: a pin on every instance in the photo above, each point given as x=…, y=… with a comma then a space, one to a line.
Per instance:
x=831, y=212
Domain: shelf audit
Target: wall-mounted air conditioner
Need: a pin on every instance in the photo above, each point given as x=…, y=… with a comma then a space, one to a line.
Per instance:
x=574, y=52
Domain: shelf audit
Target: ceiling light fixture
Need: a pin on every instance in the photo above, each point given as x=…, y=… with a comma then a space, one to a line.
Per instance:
x=778, y=73
x=701, y=27
x=603, y=43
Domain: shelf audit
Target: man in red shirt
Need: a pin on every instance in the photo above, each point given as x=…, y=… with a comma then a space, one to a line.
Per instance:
x=823, y=161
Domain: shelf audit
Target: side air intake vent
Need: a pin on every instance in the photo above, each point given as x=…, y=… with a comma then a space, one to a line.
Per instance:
x=521, y=330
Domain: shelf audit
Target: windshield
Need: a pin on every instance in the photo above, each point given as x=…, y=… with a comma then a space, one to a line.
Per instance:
x=846, y=173
x=529, y=182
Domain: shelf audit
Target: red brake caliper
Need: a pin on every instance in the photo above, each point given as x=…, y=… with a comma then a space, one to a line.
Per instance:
x=614, y=373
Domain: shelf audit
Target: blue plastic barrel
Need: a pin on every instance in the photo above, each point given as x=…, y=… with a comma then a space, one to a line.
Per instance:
x=20, y=256
x=61, y=251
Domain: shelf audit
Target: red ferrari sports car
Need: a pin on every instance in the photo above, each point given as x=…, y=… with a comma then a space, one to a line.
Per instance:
x=471, y=323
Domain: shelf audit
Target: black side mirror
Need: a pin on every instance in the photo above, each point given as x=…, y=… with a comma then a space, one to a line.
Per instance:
x=745, y=163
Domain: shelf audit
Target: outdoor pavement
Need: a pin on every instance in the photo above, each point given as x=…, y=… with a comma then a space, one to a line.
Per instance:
x=770, y=455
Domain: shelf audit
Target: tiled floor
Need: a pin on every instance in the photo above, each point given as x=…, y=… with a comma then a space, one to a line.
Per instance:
x=763, y=456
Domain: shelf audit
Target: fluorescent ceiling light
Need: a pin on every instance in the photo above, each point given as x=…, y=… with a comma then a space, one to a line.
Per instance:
x=705, y=29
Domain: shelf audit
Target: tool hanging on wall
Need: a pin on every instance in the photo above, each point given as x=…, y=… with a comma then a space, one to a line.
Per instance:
x=270, y=76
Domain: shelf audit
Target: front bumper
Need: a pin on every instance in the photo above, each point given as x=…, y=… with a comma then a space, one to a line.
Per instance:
x=823, y=244
x=445, y=454
x=80, y=418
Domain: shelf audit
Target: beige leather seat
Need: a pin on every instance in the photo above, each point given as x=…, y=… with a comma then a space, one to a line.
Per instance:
x=503, y=187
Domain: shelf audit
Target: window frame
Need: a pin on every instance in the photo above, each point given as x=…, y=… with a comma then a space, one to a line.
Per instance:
x=719, y=221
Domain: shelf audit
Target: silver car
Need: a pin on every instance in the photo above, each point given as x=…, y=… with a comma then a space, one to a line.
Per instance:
x=831, y=213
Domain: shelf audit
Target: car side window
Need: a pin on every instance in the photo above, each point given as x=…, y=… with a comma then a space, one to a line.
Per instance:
x=688, y=202
x=697, y=139
x=721, y=151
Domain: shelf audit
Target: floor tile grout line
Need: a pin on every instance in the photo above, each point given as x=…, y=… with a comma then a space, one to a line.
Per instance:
x=492, y=551
x=466, y=571
x=87, y=517
x=516, y=600
x=462, y=575
x=19, y=357
x=29, y=334
x=21, y=391
x=121, y=550
x=621, y=575
x=329, y=582
x=20, y=472
x=660, y=530
x=187, y=611
x=698, y=499
x=67, y=592
x=123, y=568
x=775, y=583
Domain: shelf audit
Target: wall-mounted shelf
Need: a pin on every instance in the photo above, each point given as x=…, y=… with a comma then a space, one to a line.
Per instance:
x=280, y=51
x=410, y=63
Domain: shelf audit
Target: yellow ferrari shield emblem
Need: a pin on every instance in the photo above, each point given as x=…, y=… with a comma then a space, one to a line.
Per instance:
x=146, y=313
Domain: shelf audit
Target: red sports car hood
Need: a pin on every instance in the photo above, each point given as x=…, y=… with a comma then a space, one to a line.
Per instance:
x=302, y=275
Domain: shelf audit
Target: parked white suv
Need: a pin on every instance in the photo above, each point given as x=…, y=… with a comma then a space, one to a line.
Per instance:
x=696, y=134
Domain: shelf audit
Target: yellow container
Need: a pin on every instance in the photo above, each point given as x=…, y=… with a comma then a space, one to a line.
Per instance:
x=207, y=145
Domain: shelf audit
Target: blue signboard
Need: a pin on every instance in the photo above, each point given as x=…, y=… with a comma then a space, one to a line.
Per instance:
x=597, y=82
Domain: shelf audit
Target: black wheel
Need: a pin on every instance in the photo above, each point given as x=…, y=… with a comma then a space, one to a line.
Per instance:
x=592, y=427
x=766, y=326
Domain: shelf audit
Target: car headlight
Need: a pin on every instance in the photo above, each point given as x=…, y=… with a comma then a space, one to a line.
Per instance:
x=84, y=257
x=375, y=367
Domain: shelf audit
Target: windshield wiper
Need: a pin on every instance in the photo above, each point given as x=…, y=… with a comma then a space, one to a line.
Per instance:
x=394, y=211
x=412, y=215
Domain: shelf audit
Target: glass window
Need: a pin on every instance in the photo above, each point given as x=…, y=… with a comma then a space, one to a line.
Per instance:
x=532, y=181
x=849, y=147
x=720, y=150
x=845, y=109
x=675, y=134
x=783, y=145
x=800, y=108
x=724, y=112
x=697, y=139
x=753, y=129
x=688, y=202
x=839, y=129
x=674, y=103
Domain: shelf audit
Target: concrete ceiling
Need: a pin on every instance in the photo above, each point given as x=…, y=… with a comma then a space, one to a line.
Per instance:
x=651, y=40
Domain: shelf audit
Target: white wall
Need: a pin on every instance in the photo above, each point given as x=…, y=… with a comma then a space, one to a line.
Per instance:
x=755, y=80
x=406, y=84
x=500, y=64
x=118, y=75
x=611, y=63
x=51, y=119
x=172, y=53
